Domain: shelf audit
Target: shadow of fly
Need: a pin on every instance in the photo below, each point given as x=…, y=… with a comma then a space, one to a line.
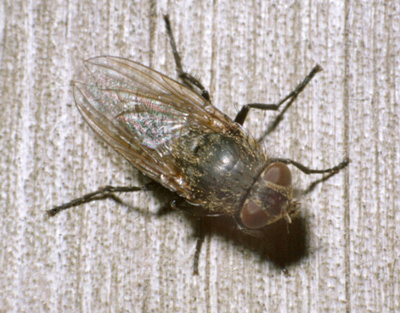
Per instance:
x=172, y=133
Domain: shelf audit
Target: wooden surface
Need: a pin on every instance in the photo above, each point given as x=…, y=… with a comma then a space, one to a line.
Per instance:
x=103, y=257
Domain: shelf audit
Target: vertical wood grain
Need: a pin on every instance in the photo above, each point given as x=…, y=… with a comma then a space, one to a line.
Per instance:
x=104, y=257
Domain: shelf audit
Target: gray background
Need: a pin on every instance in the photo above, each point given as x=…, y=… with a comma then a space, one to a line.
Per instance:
x=103, y=257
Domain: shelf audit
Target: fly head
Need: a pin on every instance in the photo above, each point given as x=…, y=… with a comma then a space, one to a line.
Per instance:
x=270, y=198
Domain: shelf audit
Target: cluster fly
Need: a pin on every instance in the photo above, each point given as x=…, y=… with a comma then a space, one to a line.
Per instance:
x=173, y=134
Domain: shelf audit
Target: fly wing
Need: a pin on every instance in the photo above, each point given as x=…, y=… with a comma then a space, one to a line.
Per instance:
x=140, y=112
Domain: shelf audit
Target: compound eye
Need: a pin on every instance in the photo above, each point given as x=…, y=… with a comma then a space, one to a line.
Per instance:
x=279, y=174
x=253, y=216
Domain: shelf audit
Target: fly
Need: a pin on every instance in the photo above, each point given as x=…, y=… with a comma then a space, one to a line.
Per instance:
x=174, y=135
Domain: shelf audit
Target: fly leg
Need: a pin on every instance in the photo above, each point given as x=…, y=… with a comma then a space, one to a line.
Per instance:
x=107, y=192
x=199, y=243
x=187, y=79
x=199, y=213
x=289, y=99
x=308, y=171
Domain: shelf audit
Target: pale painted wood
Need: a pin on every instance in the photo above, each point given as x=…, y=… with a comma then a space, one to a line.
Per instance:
x=103, y=258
